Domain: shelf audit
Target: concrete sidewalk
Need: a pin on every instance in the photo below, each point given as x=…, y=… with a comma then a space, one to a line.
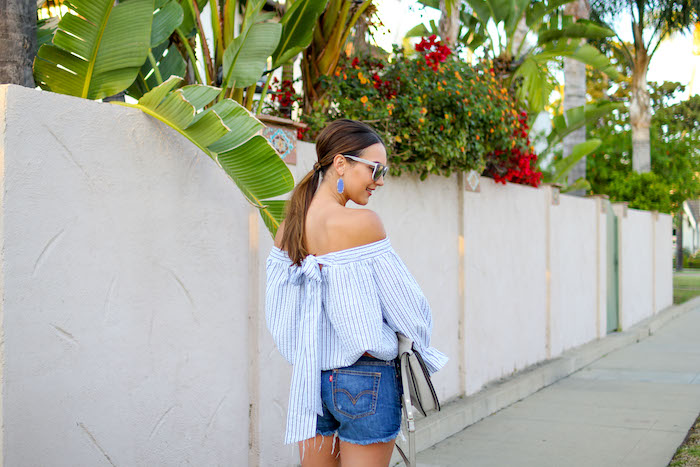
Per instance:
x=632, y=407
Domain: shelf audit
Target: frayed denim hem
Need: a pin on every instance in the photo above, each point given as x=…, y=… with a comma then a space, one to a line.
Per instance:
x=329, y=433
x=371, y=441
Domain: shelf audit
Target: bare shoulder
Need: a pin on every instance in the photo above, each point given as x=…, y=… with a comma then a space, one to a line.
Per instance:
x=278, y=235
x=364, y=226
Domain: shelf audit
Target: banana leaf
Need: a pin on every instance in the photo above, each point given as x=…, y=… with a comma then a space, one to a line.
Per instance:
x=169, y=63
x=246, y=56
x=580, y=184
x=298, y=25
x=248, y=159
x=564, y=166
x=581, y=29
x=167, y=16
x=189, y=22
x=45, y=29
x=538, y=11
x=575, y=118
x=97, y=49
x=164, y=60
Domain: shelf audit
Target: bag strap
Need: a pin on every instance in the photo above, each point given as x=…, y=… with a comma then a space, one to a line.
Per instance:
x=410, y=460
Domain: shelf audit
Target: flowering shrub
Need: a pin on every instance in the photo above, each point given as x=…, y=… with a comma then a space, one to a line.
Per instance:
x=436, y=114
x=283, y=96
x=517, y=164
x=434, y=52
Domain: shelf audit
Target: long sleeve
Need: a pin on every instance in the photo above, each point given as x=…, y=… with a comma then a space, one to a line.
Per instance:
x=405, y=307
x=282, y=307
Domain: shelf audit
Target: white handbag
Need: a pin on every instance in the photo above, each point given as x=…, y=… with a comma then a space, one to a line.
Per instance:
x=418, y=392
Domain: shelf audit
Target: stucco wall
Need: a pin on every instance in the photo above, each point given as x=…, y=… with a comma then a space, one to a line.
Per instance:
x=663, y=248
x=505, y=312
x=133, y=281
x=636, y=287
x=573, y=250
x=124, y=290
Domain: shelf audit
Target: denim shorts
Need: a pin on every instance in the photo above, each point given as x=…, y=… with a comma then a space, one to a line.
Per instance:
x=362, y=402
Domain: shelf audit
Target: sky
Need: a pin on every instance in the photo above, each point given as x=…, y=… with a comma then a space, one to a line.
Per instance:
x=674, y=61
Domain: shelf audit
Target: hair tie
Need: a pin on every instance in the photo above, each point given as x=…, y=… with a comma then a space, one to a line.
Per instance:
x=317, y=167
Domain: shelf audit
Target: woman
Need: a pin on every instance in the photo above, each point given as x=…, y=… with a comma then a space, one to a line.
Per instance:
x=336, y=295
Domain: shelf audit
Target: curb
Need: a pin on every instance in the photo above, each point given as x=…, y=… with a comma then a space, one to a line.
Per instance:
x=458, y=414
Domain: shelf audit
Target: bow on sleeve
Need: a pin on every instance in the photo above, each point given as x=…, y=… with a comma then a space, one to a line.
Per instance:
x=306, y=374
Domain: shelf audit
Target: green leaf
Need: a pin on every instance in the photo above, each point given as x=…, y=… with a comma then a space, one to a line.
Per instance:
x=431, y=3
x=538, y=11
x=45, y=29
x=538, y=83
x=581, y=29
x=298, y=25
x=419, y=30
x=481, y=9
x=248, y=159
x=98, y=50
x=575, y=118
x=165, y=20
x=245, y=57
x=584, y=53
x=235, y=116
x=580, y=184
x=242, y=164
x=189, y=23
x=169, y=64
x=562, y=167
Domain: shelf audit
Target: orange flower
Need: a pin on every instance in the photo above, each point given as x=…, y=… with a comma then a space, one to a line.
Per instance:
x=469, y=114
x=422, y=120
x=345, y=76
x=423, y=110
x=458, y=76
x=363, y=99
x=477, y=137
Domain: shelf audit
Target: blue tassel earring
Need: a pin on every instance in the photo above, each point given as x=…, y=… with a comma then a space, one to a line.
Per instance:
x=341, y=185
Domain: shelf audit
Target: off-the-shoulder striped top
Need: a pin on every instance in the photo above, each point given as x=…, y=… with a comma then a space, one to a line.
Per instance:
x=327, y=318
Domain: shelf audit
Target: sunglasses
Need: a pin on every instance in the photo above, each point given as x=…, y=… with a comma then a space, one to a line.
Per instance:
x=380, y=170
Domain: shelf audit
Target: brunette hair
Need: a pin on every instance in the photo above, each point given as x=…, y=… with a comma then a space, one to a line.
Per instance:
x=342, y=136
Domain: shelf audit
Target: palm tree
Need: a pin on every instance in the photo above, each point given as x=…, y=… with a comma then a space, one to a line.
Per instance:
x=449, y=22
x=18, y=36
x=575, y=95
x=658, y=19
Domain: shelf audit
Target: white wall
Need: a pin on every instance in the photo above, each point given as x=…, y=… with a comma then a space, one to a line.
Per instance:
x=573, y=250
x=636, y=287
x=663, y=248
x=505, y=312
x=124, y=291
x=133, y=280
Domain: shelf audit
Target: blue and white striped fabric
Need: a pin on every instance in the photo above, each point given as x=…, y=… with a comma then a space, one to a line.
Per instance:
x=327, y=318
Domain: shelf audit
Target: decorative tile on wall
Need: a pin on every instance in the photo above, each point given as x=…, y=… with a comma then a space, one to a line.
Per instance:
x=284, y=141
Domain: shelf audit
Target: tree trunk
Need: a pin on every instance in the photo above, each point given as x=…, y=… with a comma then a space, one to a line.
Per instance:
x=359, y=40
x=518, y=38
x=287, y=75
x=448, y=27
x=575, y=96
x=640, y=109
x=18, y=39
